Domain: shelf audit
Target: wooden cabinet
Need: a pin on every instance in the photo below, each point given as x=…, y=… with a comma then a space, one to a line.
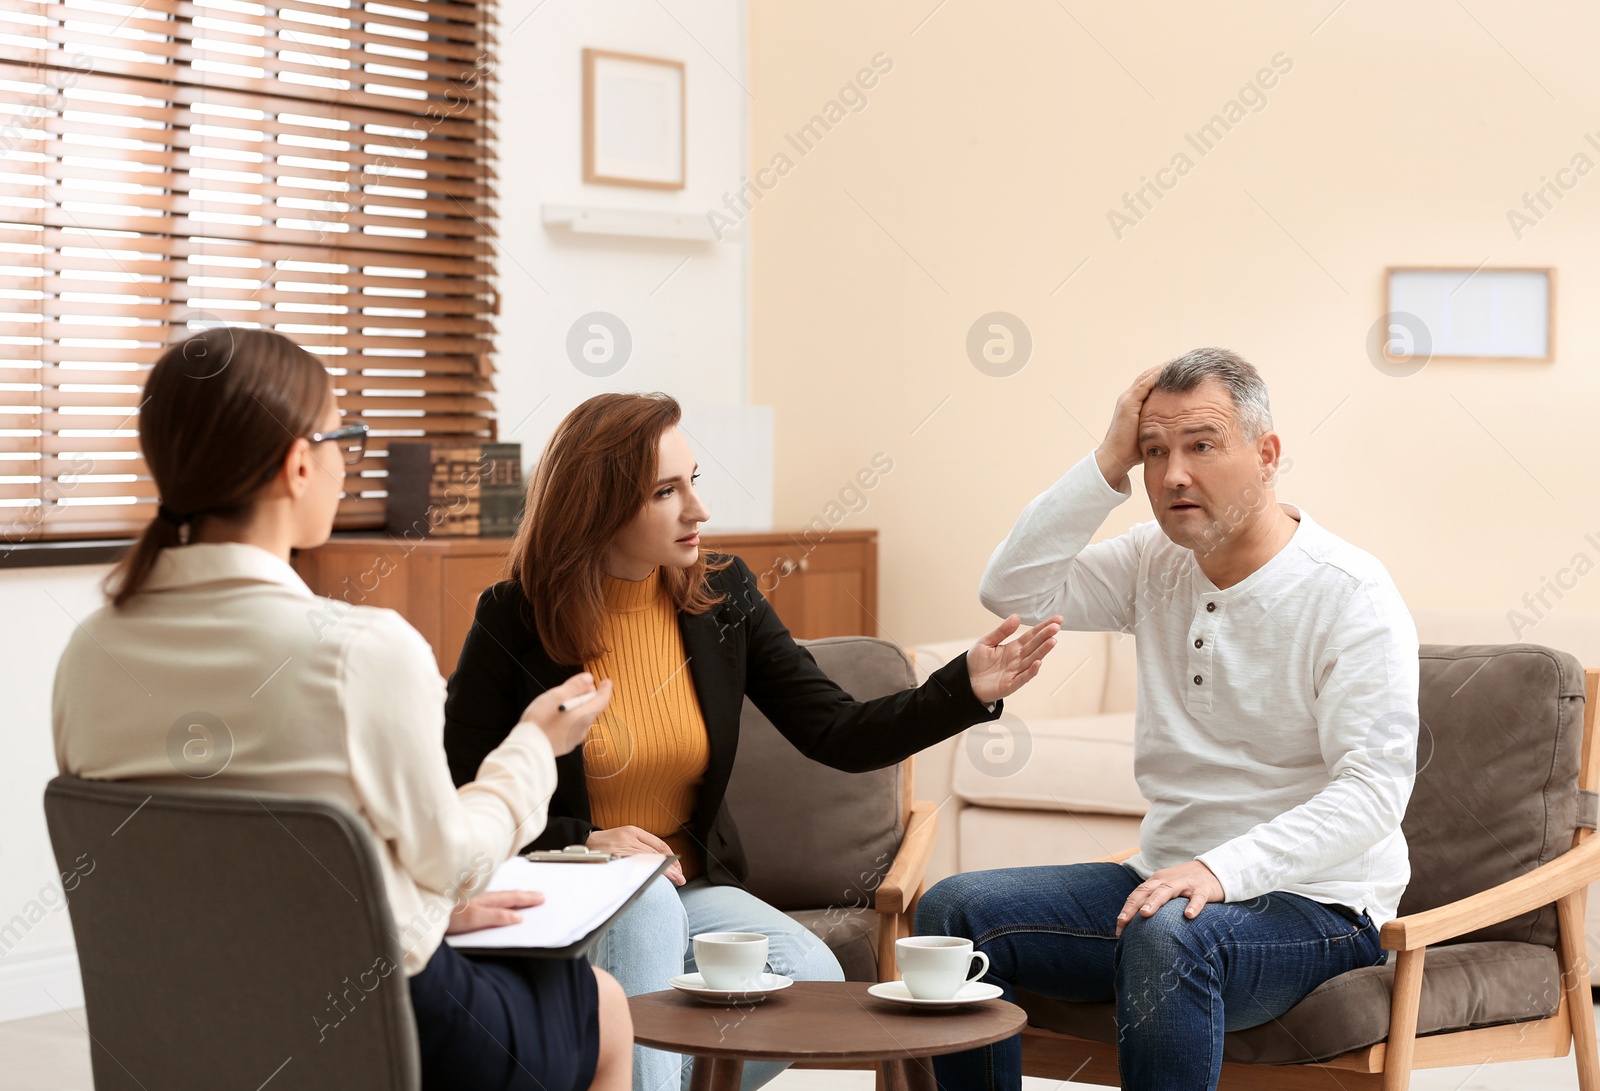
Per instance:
x=433, y=583
x=819, y=587
x=826, y=587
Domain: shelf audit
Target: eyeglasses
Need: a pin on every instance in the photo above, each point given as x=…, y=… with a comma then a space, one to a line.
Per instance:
x=352, y=441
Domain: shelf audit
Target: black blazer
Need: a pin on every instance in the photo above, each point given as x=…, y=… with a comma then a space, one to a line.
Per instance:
x=736, y=648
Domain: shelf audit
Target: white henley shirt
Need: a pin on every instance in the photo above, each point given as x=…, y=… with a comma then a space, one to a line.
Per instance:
x=1276, y=721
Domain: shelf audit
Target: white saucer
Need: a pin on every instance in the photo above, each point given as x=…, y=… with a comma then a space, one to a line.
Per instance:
x=696, y=986
x=970, y=993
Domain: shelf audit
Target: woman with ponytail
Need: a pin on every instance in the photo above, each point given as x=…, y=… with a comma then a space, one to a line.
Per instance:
x=209, y=625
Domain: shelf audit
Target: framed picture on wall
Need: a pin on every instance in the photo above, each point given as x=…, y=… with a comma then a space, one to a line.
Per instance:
x=1486, y=313
x=633, y=120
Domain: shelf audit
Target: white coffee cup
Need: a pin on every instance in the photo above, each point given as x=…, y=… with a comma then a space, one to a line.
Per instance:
x=935, y=967
x=731, y=960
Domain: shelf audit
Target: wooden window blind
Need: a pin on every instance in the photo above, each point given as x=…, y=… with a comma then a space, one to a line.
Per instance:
x=321, y=168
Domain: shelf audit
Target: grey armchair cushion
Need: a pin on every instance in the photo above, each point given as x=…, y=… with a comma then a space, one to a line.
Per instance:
x=224, y=936
x=852, y=936
x=1465, y=985
x=816, y=837
x=1497, y=790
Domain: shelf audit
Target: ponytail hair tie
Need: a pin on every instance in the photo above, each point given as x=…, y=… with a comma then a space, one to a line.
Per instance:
x=172, y=517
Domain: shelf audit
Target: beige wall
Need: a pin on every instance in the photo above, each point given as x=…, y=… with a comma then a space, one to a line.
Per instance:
x=979, y=175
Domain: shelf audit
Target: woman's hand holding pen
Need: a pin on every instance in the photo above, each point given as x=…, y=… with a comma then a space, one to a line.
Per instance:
x=564, y=713
x=997, y=669
x=565, y=726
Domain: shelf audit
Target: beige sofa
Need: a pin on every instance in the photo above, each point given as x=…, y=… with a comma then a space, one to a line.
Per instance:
x=1052, y=780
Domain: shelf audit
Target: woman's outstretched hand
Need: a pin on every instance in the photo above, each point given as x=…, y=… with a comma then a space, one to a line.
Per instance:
x=997, y=669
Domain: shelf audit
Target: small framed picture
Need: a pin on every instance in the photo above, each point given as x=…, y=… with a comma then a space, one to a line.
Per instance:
x=633, y=120
x=1483, y=313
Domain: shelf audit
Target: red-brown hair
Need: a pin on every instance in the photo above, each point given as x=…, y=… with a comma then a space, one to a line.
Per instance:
x=595, y=475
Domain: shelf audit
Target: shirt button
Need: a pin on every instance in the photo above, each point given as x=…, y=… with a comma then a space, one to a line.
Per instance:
x=1198, y=642
x=1210, y=606
x=1197, y=679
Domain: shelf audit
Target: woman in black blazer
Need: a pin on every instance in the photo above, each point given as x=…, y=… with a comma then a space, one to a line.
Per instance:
x=610, y=506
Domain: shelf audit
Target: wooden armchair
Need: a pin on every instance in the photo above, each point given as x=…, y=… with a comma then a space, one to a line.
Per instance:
x=1501, y=833
x=846, y=854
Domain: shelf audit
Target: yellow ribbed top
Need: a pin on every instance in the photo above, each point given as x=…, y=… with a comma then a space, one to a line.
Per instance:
x=646, y=756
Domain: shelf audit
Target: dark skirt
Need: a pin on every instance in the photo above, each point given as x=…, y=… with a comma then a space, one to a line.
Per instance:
x=506, y=1024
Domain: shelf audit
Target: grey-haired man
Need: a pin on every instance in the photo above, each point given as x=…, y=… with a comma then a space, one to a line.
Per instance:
x=1274, y=740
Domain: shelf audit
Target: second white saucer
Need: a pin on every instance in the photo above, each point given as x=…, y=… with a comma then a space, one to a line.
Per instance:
x=696, y=986
x=970, y=993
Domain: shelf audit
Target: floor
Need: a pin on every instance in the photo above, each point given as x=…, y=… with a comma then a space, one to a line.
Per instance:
x=51, y=1053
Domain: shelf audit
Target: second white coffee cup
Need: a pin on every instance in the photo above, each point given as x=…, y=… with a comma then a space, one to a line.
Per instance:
x=731, y=960
x=936, y=967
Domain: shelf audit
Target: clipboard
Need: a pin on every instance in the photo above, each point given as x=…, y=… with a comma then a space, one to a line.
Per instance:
x=577, y=948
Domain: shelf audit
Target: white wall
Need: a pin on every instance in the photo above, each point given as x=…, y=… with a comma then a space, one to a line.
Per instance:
x=688, y=326
x=40, y=607
x=689, y=335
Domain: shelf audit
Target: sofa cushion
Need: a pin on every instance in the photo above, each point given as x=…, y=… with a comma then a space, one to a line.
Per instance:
x=1070, y=682
x=1496, y=788
x=1464, y=985
x=1121, y=675
x=853, y=822
x=1083, y=764
x=991, y=837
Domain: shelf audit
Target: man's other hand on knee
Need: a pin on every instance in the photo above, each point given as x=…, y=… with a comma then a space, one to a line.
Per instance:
x=1192, y=880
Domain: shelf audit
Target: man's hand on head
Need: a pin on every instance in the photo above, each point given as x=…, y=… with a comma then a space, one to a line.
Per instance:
x=1119, y=451
x=1193, y=880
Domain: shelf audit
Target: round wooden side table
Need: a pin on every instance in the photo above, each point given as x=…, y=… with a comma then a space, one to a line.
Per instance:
x=836, y=1022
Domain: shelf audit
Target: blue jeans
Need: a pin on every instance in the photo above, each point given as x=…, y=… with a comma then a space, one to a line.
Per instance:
x=1179, y=984
x=649, y=944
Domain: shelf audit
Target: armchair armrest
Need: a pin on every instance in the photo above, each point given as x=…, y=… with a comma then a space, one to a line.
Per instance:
x=1118, y=857
x=910, y=865
x=1572, y=870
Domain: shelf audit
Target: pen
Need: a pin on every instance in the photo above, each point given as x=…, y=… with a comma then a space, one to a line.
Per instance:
x=576, y=702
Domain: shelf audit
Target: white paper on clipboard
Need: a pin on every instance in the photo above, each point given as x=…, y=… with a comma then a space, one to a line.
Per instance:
x=578, y=898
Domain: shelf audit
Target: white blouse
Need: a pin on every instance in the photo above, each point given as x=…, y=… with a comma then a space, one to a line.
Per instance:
x=227, y=671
